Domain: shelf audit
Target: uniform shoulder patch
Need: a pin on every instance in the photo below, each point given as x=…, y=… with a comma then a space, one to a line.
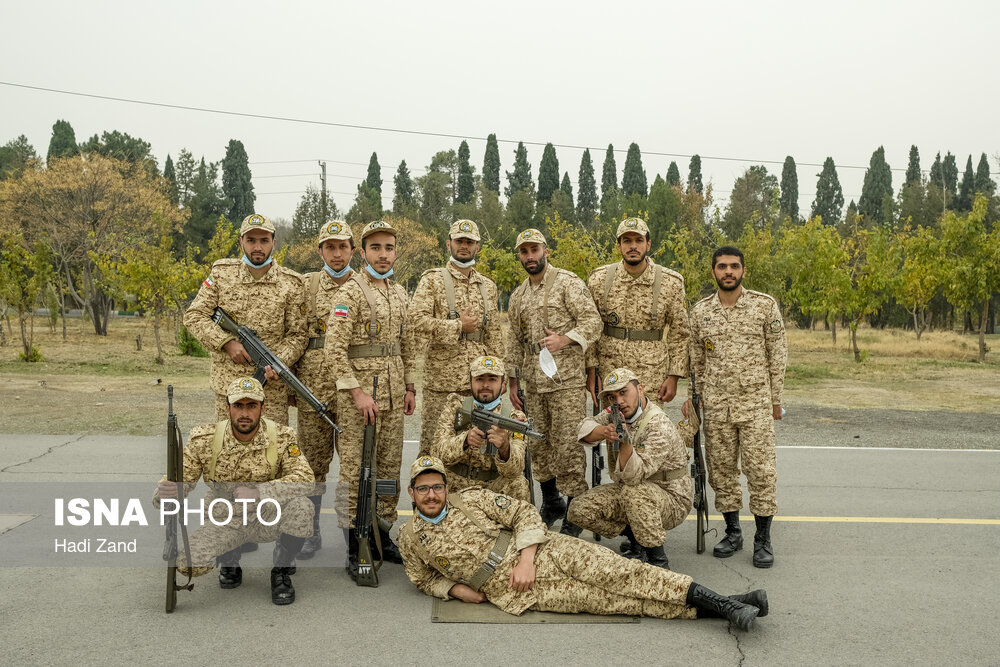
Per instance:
x=442, y=562
x=293, y=450
x=503, y=502
x=775, y=326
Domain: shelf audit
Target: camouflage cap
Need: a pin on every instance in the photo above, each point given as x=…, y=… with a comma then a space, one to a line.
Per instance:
x=377, y=226
x=530, y=236
x=617, y=379
x=335, y=229
x=464, y=229
x=632, y=225
x=256, y=221
x=486, y=365
x=245, y=388
x=427, y=464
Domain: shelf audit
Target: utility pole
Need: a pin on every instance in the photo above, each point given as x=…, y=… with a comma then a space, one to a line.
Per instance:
x=322, y=197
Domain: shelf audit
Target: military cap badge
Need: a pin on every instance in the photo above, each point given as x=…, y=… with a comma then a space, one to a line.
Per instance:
x=465, y=227
x=256, y=220
x=426, y=462
x=333, y=228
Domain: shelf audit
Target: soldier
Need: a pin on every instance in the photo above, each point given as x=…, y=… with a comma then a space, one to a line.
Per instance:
x=260, y=462
x=260, y=294
x=366, y=337
x=454, y=315
x=553, y=321
x=738, y=353
x=477, y=545
x=316, y=436
x=460, y=449
x=652, y=490
x=645, y=321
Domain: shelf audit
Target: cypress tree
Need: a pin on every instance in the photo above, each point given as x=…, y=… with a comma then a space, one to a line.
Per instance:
x=609, y=175
x=586, y=199
x=968, y=190
x=877, y=185
x=466, y=184
x=829, y=195
x=937, y=172
x=789, y=202
x=984, y=184
x=171, y=177
x=950, y=170
x=566, y=186
x=673, y=174
x=63, y=141
x=374, y=178
x=491, y=165
x=548, y=173
x=913, y=168
x=852, y=212
x=694, y=174
x=520, y=179
x=634, y=176
x=236, y=181
x=403, y=186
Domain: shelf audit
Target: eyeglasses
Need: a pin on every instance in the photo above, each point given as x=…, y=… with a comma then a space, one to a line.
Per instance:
x=424, y=488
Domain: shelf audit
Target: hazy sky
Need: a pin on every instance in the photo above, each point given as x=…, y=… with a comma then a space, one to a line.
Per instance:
x=750, y=80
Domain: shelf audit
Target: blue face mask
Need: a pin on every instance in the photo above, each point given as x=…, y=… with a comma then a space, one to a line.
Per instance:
x=488, y=406
x=436, y=520
x=246, y=260
x=376, y=275
x=338, y=274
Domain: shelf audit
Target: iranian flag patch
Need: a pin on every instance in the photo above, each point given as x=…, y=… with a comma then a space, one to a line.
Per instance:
x=209, y=282
x=340, y=310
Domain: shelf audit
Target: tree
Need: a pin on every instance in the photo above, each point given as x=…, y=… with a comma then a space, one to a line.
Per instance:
x=694, y=174
x=829, y=196
x=634, y=176
x=920, y=277
x=873, y=264
x=753, y=202
x=949, y=170
x=913, y=168
x=367, y=205
x=586, y=198
x=170, y=176
x=548, y=174
x=206, y=204
x=811, y=257
x=435, y=188
x=491, y=164
x=236, y=181
x=132, y=151
x=984, y=184
x=968, y=189
x=417, y=251
x=62, y=143
x=609, y=173
x=308, y=216
x=18, y=153
x=24, y=273
x=402, y=198
x=374, y=178
x=186, y=171
x=573, y=248
x=664, y=211
x=520, y=179
x=789, y=190
x=566, y=187
x=673, y=174
x=877, y=186
x=466, y=182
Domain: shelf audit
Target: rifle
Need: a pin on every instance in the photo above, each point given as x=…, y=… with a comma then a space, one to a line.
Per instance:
x=528, y=475
x=616, y=419
x=484, y=419
x=175, y=468
x=596, y=459
x=262, y=356
x=699, y=474
x=365, y=519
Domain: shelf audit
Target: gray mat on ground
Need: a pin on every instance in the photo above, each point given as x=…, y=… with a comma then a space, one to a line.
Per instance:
x=456, y=611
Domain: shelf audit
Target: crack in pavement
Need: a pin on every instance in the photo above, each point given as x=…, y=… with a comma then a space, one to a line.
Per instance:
x=45, y=453
x=729, y=625
x=739, y=644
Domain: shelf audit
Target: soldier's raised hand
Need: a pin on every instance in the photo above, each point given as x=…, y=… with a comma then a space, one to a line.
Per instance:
x=469, y=323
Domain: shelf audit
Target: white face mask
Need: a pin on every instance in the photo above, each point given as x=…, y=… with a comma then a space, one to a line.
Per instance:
x=548, y=365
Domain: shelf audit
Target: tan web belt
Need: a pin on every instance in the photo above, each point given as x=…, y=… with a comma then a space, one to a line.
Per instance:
x=373, y=350
x=316, y=343
x=479, y=474
x=668, y=475
x=496, y=556
x=476, y=336
x=623, y=333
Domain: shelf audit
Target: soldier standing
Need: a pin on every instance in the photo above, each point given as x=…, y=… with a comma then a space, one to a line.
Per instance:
x=553, y=321
x=738, y=352
x=651, y=490
x=462, y=450
x=645, y=321
x=258, y=293
x=316, y=437
x=366, y=337
x=454, y=316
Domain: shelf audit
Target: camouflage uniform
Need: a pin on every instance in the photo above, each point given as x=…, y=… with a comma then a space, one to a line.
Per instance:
x=652, y=494
x=245, y=462
x=738, y=355
x=272, y=305
x=348, y=344
x=467, y=466
x=571, y=575
x=557, y=409
x=448, y=351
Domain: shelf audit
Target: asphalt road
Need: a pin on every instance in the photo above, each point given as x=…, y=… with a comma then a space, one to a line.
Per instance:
x=883, y=556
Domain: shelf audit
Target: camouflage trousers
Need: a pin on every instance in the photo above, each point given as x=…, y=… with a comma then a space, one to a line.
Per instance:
x=210, y=541
x=572, y=575
x=514, y=487
x=650, y=509
x=558, y=414
x=316, y=440
x=432, y=404
x=727, y=444
x=275, y=406
x=388, y=458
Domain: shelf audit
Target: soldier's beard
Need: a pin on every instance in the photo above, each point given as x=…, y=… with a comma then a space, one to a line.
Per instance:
x=243, y=428
x=635, y=262
x=486, y=396
x=730, y=288
x=537, y=268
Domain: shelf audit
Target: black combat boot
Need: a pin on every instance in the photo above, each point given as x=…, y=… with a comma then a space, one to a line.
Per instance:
x=733, y=541
x=712, y=605
x=757, y=598
x=230, y=574
x=657, y=556
x=285, y=550
x=568, y=527
x=390, y=552
x=763, y=555
x=249, y=546
x=315, y=542
x=553, y=507
x=632, y=548
x=292, y=569
x=351, y=537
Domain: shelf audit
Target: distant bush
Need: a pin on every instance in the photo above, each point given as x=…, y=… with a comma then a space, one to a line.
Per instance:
x=189, y=345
